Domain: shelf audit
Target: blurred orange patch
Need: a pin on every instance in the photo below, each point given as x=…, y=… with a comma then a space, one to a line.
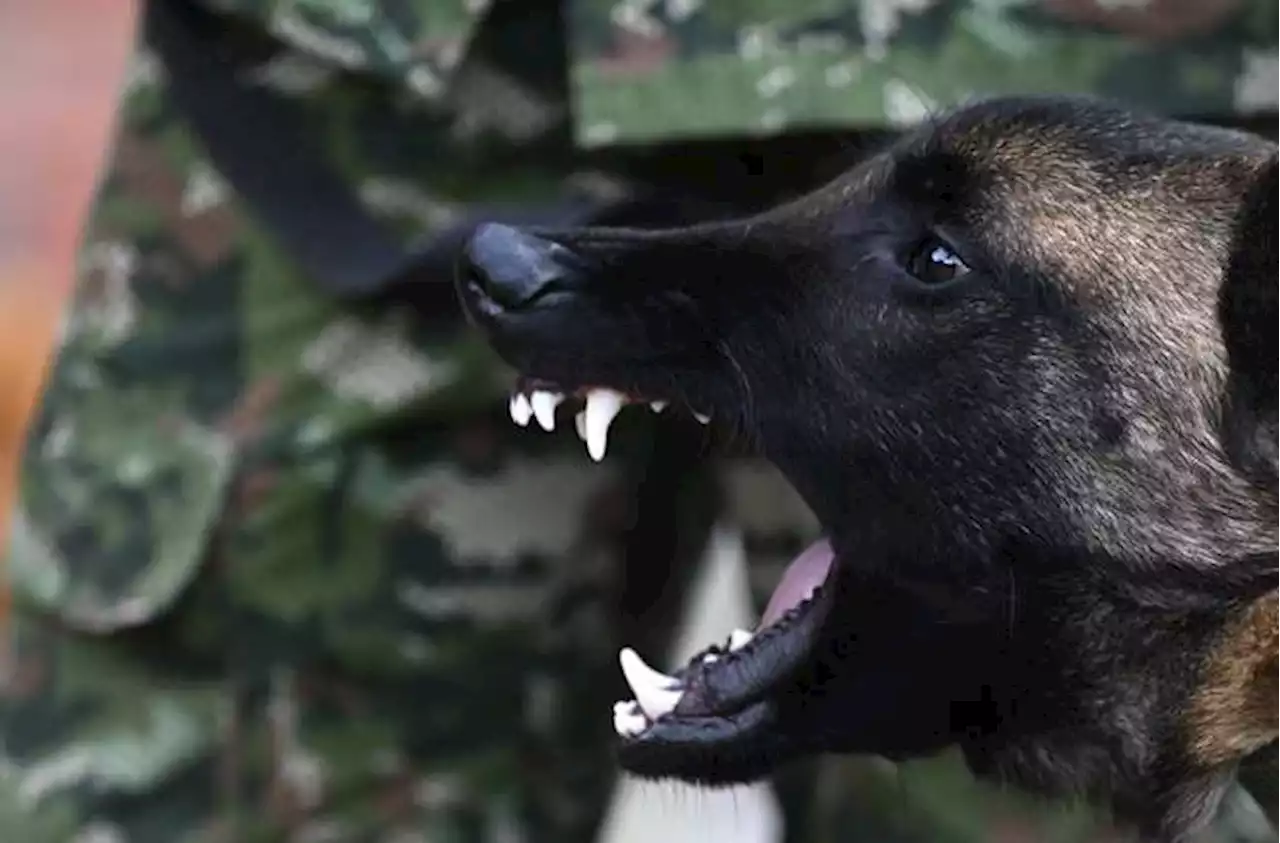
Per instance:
x=63, y=64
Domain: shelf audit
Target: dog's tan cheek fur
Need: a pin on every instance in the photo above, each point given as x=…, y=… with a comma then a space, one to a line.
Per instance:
x=1233, y=712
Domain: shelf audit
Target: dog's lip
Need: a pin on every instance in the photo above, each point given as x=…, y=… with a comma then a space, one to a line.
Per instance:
x=726, y=694
x=650, y=753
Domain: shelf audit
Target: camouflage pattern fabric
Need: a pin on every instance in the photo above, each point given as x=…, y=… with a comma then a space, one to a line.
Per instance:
x=653, y=70
x=284, y=570
x=413, y=43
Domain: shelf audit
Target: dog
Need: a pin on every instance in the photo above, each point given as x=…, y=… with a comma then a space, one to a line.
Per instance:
x=1021, y=364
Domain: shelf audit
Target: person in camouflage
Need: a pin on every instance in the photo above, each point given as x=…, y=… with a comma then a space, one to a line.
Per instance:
x=253, y=607
x=284, y=571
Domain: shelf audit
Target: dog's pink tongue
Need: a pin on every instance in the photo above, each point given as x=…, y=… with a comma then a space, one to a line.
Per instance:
x=805, y=573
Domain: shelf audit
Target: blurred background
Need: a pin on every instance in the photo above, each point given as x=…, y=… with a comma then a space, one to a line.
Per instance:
x=52, y=142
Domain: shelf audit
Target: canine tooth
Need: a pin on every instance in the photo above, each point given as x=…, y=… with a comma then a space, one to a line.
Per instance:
x=635, y=667
x=656, y=692
x=657, y=406
x=520, y=409
x=603, y=405
x=738, y=639
x=702, y=418
x=628, y=719
x=580, y=424
x=710, y=658
x=544, y=408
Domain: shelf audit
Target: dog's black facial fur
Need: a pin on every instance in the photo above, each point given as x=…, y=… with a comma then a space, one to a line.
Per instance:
x=1022, y=366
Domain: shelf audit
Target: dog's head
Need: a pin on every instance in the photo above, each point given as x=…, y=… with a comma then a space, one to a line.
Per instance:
x=1029, y=324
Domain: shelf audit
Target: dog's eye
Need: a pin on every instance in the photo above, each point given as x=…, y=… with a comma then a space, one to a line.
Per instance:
x=934, y=263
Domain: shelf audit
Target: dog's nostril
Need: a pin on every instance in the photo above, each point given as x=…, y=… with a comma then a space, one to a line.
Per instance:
x=514, y=268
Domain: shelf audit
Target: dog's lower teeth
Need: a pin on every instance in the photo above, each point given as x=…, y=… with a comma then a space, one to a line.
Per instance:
x=656, y=693
x=657, y=406
x=520, y=409
x=544, y=408
x=628, y=719
x=702, y=418
x=738, y=639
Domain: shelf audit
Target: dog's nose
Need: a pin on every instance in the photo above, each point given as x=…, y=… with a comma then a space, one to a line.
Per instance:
x=515, y=268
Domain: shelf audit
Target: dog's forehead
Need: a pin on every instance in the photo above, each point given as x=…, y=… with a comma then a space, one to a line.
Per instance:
x=1075, y=150
x=978, y=153
x=1012, y=131
x=1066, y=181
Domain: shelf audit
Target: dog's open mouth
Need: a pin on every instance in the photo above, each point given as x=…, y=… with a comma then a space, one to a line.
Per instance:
x=724, y=699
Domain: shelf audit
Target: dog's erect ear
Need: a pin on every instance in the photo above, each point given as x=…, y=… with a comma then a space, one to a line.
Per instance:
x=1247, y=308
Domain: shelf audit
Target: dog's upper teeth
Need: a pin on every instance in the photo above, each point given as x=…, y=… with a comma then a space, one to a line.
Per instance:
x=603, y=406
x=628, y=719
x=592, y=423
x=520, y=409
x=544, y=408
x=656, y=692
x=739, y=638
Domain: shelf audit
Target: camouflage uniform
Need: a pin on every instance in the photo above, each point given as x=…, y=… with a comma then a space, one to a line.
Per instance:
x=284, y=570
x=265, y=595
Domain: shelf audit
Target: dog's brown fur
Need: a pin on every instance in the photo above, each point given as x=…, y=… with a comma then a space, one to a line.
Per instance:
x=1233, y=712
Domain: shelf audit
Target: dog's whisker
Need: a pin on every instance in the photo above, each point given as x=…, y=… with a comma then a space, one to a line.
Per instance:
x=745, y=418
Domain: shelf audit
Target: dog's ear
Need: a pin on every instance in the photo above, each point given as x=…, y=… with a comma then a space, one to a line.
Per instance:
x=1247, y=309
